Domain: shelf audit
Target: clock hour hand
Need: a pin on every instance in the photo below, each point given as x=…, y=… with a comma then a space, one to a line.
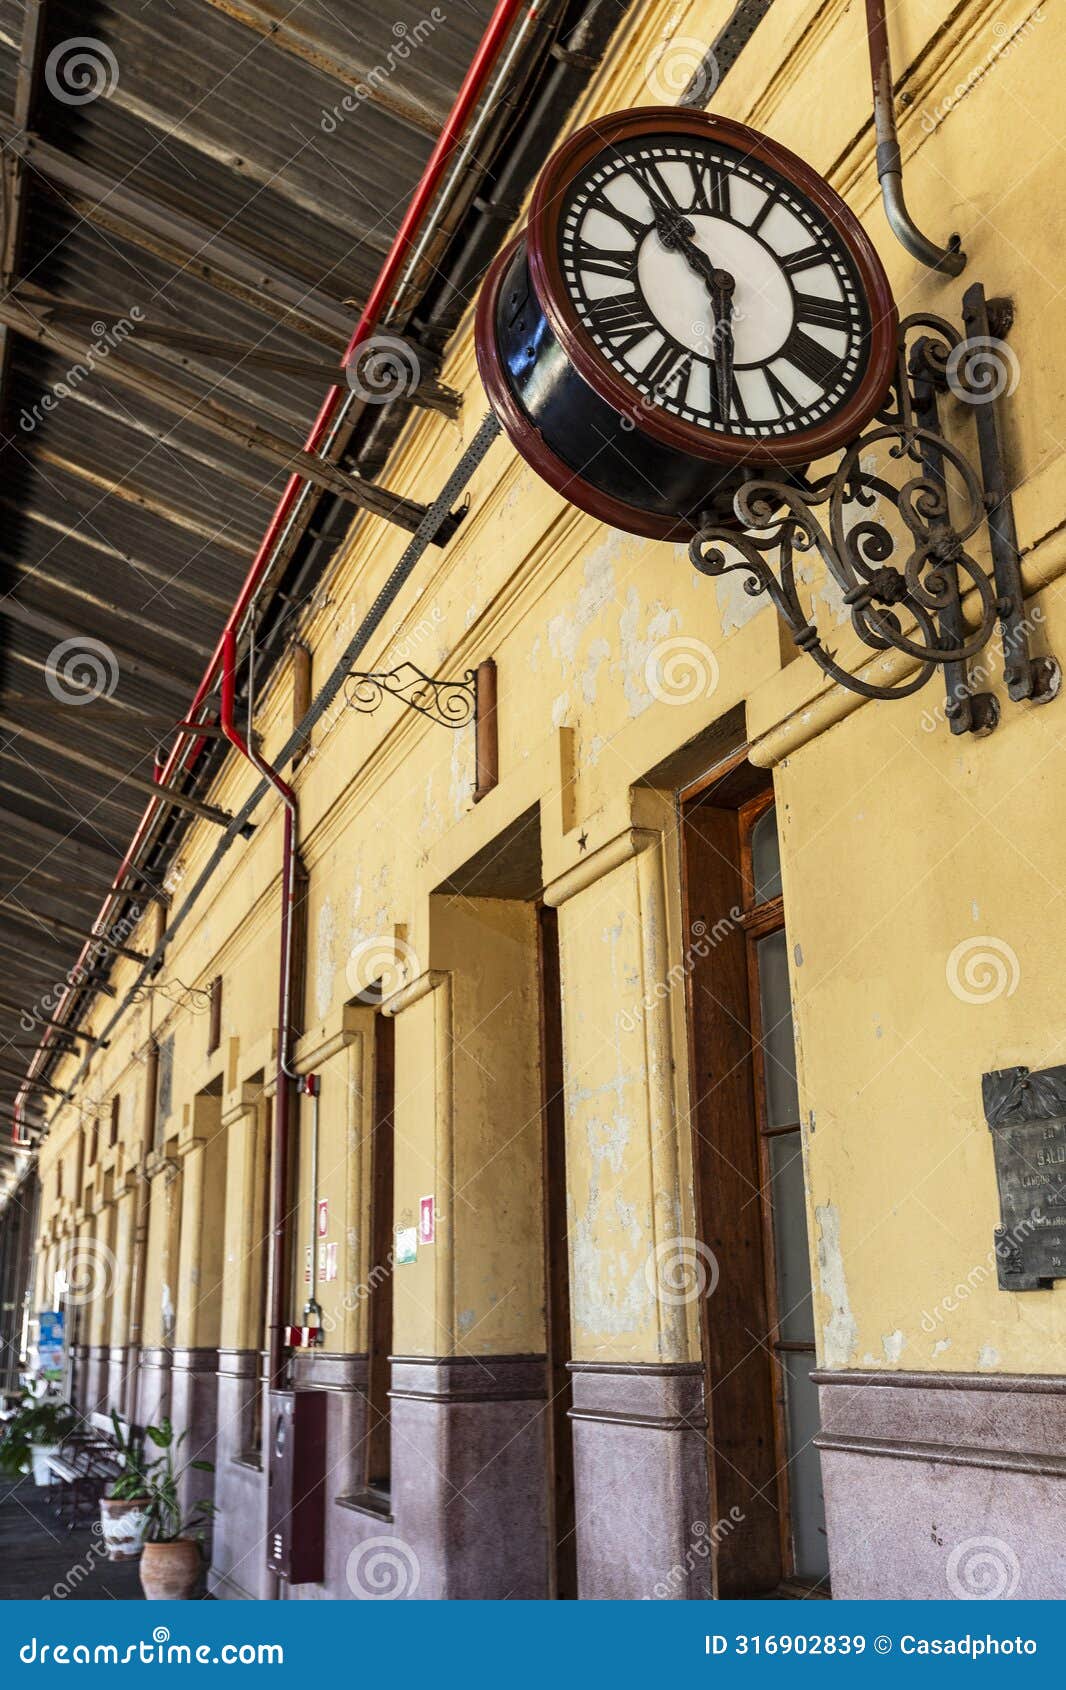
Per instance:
x=677, y=234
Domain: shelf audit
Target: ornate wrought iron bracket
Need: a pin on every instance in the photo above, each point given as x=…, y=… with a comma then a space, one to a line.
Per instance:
x=901, y=509
x=451, y=703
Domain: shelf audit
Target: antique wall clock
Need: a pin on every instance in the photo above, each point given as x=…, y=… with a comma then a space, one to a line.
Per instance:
x=689, y=305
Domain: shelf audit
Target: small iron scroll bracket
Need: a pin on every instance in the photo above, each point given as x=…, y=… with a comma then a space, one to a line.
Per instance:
x=901, y=510
x=452, y=704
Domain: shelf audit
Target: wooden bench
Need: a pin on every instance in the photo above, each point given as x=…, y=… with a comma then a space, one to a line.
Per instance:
x=86, y=1463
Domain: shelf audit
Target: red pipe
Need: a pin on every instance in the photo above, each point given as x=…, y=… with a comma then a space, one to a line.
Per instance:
x=466, y=100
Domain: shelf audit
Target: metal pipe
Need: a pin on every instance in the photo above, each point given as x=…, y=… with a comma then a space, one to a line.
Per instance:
x=285, y=1076
x=139, y=1250
x=473, y=85
x=310, y=1085
x=950, y=259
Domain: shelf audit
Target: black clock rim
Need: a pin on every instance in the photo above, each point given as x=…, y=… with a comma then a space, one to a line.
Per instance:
x=530, y=442
x=545, y=268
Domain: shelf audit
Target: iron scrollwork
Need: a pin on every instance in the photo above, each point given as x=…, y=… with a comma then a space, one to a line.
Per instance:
x=902, y=577
x=453, y=704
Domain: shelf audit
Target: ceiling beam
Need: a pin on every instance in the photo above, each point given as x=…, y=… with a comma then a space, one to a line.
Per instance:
x=333, y=57
x=430, y=395
x=140, y=667
x=13, y=187
x=70, y=531
x=60, y=784
x=60, y=838
x=26, y=1083
x=127, y=495
x=22, y=915
x=126, y=777
x=20, y=1009
x=203, y=412
x=184, y=130
x=204, y=253
x=43, y=577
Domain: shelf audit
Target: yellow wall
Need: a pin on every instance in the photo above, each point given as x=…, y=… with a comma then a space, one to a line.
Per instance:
x=900, y=844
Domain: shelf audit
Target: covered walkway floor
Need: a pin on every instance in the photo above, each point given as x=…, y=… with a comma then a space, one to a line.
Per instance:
x=41, y=1559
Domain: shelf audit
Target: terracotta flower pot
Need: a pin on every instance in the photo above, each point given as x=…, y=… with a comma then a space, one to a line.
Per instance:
x=170, y=1571
x=123, y=1522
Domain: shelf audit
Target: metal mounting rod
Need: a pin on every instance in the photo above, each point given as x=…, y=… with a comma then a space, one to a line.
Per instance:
x=127, y=777
x=950, y=259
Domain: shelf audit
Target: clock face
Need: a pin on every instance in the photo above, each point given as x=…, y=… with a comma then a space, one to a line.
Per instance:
x=714, y=286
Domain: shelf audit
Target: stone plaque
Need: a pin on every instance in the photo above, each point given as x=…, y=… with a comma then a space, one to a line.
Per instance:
x=1026, y=1114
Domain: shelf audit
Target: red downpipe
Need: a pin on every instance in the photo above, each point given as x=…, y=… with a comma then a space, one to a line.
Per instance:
x=466, y=100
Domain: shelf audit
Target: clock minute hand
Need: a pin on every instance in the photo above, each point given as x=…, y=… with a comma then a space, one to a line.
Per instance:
x=723, y=343
x=677, y=234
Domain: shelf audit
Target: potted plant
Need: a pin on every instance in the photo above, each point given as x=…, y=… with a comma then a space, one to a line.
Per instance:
x=172, y=1555
x=124, y=1509
x=36, y=1430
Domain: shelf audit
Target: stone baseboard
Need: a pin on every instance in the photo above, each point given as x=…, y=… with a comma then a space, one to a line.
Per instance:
x=944, y=1486
x=640, y=1479
x=469, y=1474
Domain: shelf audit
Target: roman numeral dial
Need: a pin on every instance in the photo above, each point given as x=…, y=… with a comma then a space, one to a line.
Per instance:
x=714, y=286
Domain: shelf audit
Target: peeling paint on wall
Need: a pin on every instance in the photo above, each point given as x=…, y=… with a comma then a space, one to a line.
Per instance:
x=893, y=1343
x=325, y=958
x=735, y=606
x=840, y=1333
